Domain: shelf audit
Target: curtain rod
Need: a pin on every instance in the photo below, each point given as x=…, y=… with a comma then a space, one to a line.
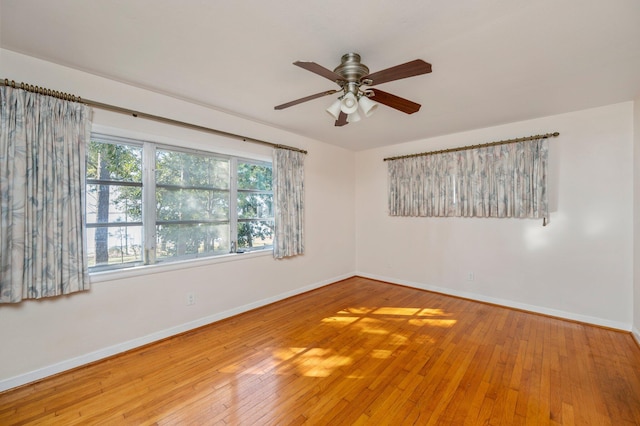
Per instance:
x=113, y=108
x=464, y=148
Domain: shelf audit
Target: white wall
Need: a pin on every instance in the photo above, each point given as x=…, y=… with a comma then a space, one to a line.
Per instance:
x=636, y=219
x=579, y=267
x=124, y=310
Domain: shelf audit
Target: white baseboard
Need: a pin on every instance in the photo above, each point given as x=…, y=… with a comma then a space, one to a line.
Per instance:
x=69, y=364
x=507, y=303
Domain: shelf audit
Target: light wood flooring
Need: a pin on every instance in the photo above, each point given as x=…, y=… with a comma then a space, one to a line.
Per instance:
x=355, y=352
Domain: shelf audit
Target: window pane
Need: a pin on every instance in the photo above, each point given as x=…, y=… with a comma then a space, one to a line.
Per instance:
x=191, y=204
x=255, y=205
x=184, y=169
x=107, y=161
x=254, y=176
x=113, y=203
x=114, y=245
x=191, y=239
x=255, y=233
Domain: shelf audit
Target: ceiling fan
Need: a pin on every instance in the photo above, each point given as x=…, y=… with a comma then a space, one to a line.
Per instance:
x=356, y=83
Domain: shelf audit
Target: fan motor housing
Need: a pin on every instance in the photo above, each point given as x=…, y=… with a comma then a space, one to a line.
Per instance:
x=351, y=69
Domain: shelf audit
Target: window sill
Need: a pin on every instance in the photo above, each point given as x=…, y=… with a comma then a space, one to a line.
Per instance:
x=137, y=271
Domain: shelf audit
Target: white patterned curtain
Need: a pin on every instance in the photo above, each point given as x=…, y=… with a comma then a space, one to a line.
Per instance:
x=506, y=180
x=288, y=193
x=42, y=163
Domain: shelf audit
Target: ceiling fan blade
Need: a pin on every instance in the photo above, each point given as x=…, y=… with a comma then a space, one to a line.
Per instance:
x=409, y=69
x=320, y=70
x=305, y=99
x=395, y=102
x=342, y=119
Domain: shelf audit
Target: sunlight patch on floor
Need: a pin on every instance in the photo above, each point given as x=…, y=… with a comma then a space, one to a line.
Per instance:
x=341, y=320
x=285, y=354
x=372, y=326
x=381, y=323
x=419, y=312
x=381, y=353
x=433, y=322
x=427, y=312
x=396, y=311
x=318, y=362
x=357, y=311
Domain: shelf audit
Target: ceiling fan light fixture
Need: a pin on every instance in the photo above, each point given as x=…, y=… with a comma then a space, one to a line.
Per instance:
x=355, y=81
x=349, y=103
x=367, y=106
x=353, y=117
x=334, y=109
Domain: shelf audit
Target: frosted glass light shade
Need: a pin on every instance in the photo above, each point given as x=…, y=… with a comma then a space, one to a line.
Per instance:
x=367, y=106
x=353, y=117
x=334, y=109
x=349, y=103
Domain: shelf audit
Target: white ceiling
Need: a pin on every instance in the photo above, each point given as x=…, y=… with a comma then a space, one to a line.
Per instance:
x=494, y=61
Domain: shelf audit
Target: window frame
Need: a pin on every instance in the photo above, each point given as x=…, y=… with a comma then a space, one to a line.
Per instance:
x=149, y=206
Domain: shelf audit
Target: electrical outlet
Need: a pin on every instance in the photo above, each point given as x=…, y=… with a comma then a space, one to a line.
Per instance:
x=470, y=276
x=191, y=299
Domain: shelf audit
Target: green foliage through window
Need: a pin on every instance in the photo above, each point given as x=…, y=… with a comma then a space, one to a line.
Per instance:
x=192, y=215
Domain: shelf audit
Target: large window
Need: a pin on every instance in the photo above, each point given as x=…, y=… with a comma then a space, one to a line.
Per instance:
x=148, y=203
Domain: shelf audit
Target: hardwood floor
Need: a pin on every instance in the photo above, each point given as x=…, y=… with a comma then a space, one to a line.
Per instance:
x=356, y=352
